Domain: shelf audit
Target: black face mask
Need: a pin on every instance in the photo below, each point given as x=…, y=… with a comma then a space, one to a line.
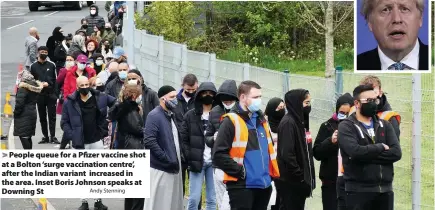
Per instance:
x=368, y=109
x=85, y=26
x=277, y=115
x=108, y=29
x=43, y=56
x=190, y=95
x=84, y=91
x=207, y=100
x=306, y=110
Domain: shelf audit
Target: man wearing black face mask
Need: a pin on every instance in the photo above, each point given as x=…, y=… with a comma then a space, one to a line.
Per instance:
x=198, y=154
x=383, y=110
x=84, y=122
x=45, y=71
x=185, y=98
x=369, y=147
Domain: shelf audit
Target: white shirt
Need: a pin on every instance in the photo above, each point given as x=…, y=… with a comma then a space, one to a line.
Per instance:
x=410, y=60
x=207, y=150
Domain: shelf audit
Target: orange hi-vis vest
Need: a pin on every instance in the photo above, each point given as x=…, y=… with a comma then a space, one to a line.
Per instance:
x=240, y=141
x=387, y=115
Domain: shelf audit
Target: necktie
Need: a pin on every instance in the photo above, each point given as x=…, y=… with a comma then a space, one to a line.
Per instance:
x=397, y=66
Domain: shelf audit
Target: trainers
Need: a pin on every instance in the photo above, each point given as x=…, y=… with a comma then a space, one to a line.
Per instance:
x=54, y=140
x=84, y=206
x=44, y=140
x=98, y=205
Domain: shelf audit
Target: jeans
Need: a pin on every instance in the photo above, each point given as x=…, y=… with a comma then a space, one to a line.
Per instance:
x=195, y=188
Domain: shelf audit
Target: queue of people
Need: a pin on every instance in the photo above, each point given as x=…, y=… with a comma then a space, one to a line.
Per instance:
x=206, y=134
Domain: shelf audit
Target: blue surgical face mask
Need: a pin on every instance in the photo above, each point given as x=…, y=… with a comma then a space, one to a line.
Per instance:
x=171, y=104
x=122, y=75
x=341, y=116
x=255, y=105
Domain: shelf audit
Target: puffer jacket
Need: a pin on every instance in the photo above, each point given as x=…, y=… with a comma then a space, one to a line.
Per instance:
x=25, y=108
x=192, y=131
x=93, y=20
x=229, y=88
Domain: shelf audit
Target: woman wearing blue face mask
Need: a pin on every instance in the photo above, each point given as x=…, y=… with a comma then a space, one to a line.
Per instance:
x=326, y=150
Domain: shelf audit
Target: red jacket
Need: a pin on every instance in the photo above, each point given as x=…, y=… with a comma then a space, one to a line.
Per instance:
x=70, y=85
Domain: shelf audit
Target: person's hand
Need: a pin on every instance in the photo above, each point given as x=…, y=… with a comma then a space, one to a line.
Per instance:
x=215, y=135
x=334, y=137
x=386, y=147
x=45, y=84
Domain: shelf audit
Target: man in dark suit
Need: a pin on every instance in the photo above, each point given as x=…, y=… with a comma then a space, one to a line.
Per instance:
x=395, y=25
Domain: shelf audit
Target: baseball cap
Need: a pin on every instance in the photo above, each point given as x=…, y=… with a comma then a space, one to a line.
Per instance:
x=118, y=52
x=82, y=58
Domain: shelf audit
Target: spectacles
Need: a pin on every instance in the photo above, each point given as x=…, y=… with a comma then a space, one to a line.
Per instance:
x=370, y=100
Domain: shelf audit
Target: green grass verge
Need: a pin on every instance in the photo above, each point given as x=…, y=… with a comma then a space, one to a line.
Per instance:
x=266, y=59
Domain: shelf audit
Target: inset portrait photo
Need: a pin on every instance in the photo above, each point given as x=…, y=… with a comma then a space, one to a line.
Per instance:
x=392, y=36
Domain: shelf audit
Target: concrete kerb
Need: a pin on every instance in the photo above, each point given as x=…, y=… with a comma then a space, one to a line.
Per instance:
x=11, y=145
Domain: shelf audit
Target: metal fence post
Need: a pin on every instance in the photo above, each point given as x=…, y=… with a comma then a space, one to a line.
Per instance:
x=129, y=32
x=160, y=56
x=286, y=85
x=212, y=68
x=246, y=71
x=416, y=141
x=338, y=82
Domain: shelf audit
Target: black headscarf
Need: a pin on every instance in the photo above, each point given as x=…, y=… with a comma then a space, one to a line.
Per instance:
x=274, y=117
x=57, y=35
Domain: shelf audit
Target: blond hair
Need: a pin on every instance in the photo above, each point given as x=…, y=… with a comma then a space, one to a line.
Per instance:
x=371, y=80
x=368, y=5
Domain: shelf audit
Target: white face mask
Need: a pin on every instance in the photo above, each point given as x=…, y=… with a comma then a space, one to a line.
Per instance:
x=81, y=66
x=99, y=62
x=139, y=99
x=68, y=64
x=229, y=106
x=93, y=12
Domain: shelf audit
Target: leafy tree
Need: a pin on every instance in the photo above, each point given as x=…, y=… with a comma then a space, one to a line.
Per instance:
x=326, y=25
x=173, y=20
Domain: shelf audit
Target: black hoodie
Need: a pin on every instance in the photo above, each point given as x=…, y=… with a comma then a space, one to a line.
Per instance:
x=368, y=167
x=295, y=159
x=326, y=151
x=192, y=131
x=228, y=89
x=93, y=20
